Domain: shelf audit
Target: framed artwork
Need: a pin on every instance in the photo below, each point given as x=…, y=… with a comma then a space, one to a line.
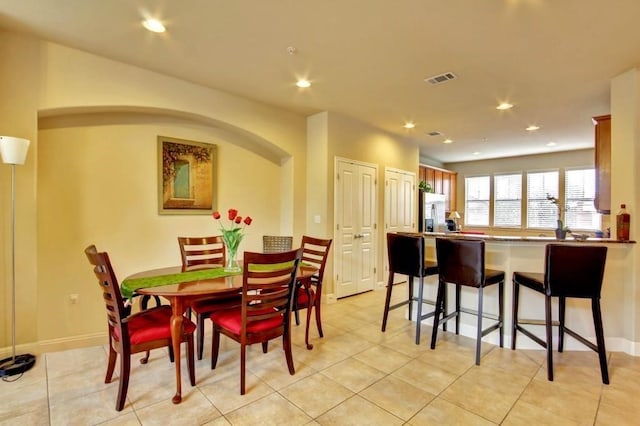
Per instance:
x=186, y=176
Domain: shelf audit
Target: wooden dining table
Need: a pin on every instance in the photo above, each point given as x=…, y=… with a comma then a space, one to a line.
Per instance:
x=189, y=286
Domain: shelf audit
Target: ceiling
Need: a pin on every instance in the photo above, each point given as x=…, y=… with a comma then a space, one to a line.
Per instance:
x=368, y=59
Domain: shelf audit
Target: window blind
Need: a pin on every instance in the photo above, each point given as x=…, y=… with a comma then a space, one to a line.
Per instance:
x=507, y=206
x=580, y=189
x=542, y=213
x=477, y=193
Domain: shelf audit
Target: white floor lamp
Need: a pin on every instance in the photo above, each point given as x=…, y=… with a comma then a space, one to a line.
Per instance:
x=14, y=151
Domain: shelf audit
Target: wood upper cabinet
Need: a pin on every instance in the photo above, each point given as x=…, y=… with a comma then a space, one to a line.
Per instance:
x=443, y=182
x=602, y=199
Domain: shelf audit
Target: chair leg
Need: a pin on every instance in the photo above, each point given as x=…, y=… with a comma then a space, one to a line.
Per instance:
x=387, y=302
x=602, y=351
x=125, y=370
x=317, y=305
x=438, y=311
x=243, y=360
x=200, y=334
x=171, y=356
x=111, y=364
x=215, y=346
x=458, y=290
x=562, y=304
x=145, y=358
x=286, y=345
x=419, y=308
x=501, y=311
x=547, y=319
x=410, y=290
x=265, y=346
x=479, y=331
x=514, y=314
x=190, y=361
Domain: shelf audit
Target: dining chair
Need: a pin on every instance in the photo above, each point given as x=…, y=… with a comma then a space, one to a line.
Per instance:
x=570, y=272
x=276, y=243
x=406, y=255
x=268, y=281
x=130, y=334
x=198, y=253
x=462, y=262
x=315, y=252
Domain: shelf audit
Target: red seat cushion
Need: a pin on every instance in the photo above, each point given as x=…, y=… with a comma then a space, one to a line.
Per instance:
x=152, y=324
x=231, y=319
x=303, y=297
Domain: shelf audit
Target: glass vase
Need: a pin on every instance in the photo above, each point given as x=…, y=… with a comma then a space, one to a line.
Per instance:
x=231, y=246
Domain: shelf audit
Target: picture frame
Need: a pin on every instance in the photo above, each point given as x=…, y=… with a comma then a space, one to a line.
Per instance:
x=186, y=176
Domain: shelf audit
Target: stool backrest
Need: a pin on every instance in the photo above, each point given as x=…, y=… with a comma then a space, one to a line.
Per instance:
x=574, y=270
x=406, y=254
x=460, y=261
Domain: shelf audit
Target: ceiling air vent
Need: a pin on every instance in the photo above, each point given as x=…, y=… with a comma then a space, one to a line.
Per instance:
x=441, y=78
x=434, y=133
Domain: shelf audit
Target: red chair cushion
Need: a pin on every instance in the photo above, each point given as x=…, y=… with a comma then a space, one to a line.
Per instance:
x=231, y=319
x=303, y=297
x=152, y=324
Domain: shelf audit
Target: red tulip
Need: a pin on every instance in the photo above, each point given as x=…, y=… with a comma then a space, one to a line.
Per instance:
x=216, y=215
x=247, y=220
x=238, y=219
x=232, y=214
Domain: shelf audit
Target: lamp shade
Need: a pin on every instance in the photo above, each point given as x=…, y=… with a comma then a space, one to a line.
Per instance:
x=454, y=215
x=13, y=150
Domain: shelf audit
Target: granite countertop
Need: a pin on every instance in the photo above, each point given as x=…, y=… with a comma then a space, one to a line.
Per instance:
x=507, y=238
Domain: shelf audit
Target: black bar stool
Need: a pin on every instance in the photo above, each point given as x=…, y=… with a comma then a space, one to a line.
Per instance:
x=406, y=256
x=461, y=262
x=570, y=271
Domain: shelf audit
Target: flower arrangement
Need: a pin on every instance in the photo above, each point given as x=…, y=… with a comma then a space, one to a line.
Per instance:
x=232, y=236
x=561, y=230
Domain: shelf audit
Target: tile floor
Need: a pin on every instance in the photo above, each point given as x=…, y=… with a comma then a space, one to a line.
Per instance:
x=355, y=375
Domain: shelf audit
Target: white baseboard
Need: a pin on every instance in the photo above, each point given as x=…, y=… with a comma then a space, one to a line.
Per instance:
x=56, y=345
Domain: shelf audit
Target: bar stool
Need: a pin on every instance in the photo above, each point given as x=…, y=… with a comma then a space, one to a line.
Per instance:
x=570, y=271
x=461, y=262
x=406, y=256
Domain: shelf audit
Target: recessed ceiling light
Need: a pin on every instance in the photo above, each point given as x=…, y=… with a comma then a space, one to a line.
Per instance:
x=532, y=128
x=447, y=141
x=551, y=144
x=476, y=153
x=303, y=83
x=504, y=105
x=409, y=125
x=153, y=25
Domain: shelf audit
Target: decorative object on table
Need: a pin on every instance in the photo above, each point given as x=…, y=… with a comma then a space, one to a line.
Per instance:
x=623, y=221
x=14, y=151
x=579, y=237
x=454, y=216
x=424, y=186
x=561, y=230
x=186, y=176
x=232, y=236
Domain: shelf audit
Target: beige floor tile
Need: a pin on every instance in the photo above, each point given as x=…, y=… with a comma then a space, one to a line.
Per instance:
x=316, y=394
x=613, y=415
x=276, y=373
x=441, y=412
x=195, y=408
x=320, y=358
x=128, y=419
x=93, y=408
x=75, y=360
x=426, y=377
x=397, y=396
x=353, y=374
x=225, y=393
x=24, y=400
x=449, y=359
x=350, y=344
x=271, y=410
x=39, y=417
x=357, y=411
x=382, y=358
x=522, y=414
x=510, y=361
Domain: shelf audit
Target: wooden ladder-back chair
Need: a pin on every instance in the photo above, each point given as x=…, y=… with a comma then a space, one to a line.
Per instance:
x=130, y=334
x=198, y=253
x=268, y=283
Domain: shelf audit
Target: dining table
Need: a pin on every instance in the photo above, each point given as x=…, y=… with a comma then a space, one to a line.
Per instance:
x=181, y=288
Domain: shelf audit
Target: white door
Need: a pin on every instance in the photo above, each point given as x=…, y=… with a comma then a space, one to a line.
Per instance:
x=399, y=208
x=355, y=255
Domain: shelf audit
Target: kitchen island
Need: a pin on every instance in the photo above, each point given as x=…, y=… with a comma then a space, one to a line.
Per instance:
x=620, y=297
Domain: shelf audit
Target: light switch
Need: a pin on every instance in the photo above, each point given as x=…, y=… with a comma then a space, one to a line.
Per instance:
x=316, y=218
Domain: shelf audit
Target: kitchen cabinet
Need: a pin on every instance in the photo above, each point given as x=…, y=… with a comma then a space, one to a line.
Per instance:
x=602, y=199
x=443, y=182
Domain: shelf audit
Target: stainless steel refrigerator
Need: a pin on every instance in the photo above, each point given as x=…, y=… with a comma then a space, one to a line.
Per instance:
x=431, y=212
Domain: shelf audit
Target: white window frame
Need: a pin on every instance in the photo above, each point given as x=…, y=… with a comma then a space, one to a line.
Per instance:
x=477, y=200
x=497, y=202
x=596, y=219
x=543, y=207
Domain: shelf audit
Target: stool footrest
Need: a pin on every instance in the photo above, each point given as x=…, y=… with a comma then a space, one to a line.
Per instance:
x=530, y=335
x=484, y=314
x=581, y=339
x=537, y=322
x=399, y=304
x=491, y=328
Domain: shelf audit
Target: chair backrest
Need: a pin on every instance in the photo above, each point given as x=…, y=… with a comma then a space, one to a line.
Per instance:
x=202, y=251
x=315, y=252
x=108, y=282
x=461, y=261
x=406, y=254
x=268, y=280
x=574, y=270
x=276, y=243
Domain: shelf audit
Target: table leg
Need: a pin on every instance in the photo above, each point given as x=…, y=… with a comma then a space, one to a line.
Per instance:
x=176, y=333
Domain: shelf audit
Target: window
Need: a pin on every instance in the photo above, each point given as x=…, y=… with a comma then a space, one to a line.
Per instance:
x=580, y=187
x=541, y=213
x=507, y=207
x=477, y=193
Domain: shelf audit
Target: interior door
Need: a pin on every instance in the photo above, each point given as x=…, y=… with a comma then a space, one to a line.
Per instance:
x=356, y=203
x=399, y=208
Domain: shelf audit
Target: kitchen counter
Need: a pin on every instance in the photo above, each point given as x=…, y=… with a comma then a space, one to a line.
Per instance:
x=506, y=238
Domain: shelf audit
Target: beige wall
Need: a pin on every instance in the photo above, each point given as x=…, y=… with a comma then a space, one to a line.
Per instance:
x=92, y=107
